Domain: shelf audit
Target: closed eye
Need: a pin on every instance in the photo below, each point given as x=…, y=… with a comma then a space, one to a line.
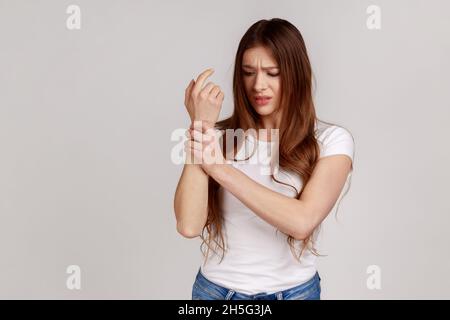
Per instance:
x=246, y=73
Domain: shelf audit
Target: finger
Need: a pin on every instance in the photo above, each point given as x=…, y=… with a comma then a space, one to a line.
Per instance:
x=191, y=156
x=200, y=136
x=190, y=144
x=187, y=92
x=188, y=149
x=207, y=125
x=208, y=138
x=221, y=96
x=196, y=125
x=215, y=91
x=196, y=135
x=194, y=145
x=198, y=156
x=207, y=89
x=201, y=125
x=201, y=79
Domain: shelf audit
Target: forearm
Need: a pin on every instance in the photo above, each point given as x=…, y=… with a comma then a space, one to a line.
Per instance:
x=191, y=200
x=281, y=211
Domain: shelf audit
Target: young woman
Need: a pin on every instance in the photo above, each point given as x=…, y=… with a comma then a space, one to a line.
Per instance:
x=259, y=219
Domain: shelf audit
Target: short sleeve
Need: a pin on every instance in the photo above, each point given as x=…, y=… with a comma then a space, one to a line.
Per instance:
x=336, y=140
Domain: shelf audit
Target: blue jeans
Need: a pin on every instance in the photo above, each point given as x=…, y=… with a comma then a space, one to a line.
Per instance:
x=203, y=289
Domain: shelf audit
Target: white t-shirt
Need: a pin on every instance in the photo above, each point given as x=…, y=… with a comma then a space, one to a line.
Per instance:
x=258, y=258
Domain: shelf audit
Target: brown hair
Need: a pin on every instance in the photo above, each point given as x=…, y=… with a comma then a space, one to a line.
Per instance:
x=298, y=147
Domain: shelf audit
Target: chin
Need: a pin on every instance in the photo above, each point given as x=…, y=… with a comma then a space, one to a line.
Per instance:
x=264, y=110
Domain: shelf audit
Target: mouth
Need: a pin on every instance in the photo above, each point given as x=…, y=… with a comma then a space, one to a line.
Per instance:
x=262, y=100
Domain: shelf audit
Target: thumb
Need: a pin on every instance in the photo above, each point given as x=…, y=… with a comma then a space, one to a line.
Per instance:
x=188, y=91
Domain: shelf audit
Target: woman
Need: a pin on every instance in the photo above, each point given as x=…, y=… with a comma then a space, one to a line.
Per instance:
x=258, y=219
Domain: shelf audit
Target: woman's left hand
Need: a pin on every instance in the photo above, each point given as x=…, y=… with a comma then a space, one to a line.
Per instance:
x=204, y=144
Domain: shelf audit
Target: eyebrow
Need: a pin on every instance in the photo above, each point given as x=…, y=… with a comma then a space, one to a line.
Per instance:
x=264, y=68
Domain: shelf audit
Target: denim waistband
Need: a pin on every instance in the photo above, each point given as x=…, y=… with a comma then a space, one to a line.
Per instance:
x=227, y=293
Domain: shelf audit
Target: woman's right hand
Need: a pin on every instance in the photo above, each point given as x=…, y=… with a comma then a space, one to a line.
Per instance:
x=203, y=103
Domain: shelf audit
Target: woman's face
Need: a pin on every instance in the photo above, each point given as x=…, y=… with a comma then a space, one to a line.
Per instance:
x=261, y=78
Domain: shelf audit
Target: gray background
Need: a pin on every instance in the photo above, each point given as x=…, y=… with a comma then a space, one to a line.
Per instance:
x=86, y=117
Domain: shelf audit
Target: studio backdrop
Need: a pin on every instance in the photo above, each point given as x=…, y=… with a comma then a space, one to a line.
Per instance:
x=91, y=93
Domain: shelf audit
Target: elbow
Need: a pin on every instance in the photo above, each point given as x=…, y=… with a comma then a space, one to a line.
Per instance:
x=305, y=224
x=183, y=229
x=303, y=232
x=299, y=235
x=187, y=232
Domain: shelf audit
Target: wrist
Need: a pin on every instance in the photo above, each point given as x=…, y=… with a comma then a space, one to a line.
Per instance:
x=203, y=124
x=216, y=170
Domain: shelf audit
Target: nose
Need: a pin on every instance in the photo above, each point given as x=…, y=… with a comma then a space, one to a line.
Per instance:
x=260, y=82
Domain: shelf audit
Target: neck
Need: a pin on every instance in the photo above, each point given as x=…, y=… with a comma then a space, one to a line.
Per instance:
x=268, y=123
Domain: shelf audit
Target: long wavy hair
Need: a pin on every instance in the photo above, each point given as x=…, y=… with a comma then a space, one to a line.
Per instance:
x=299, y=150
